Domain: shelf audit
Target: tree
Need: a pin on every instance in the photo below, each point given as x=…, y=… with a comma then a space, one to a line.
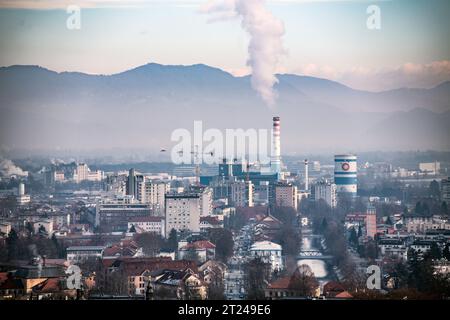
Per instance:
x=42, y=231
x=12, y=243
x=256, y=276
x=324, y=225
x=149, y=242
x=359, y=231
x=216, y=291
x=353, y=236
x=289, y=240
x=303, y=281
x=286, y=215
x=29, y=227
x=191, y=254
x=446, y=252
x=223, y=240
x=435, y=252
x=444, y=208
x=172, y=241
x=435, y=190
x=132, y=229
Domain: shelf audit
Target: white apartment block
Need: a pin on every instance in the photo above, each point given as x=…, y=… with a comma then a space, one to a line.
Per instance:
x=241, y=193
x=153, y=193
x=326, y=191
x=83, y=173
x=182, y=212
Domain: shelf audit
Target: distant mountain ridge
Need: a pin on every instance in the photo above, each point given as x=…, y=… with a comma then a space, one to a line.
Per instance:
x=142, y=106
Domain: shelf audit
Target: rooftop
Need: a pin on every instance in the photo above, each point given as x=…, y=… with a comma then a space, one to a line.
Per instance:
x=265, y=245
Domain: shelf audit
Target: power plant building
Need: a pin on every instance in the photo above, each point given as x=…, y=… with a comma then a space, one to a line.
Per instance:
x=345, y=174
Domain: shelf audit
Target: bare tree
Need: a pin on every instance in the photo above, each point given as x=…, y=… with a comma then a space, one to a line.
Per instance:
x=303, y=281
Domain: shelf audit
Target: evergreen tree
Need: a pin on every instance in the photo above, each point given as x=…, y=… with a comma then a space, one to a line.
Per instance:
x=444, y=208
x=446, y=252
x=435, y=190
x=12, y=243
x=172, y=242
x=435, y=252
x=353, y=236
x=324, y=225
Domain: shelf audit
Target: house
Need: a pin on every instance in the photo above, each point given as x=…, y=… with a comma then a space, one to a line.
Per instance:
x=178, y=284
x=45, y=225
x=269, y=252
x=332, y=288
x=53, y=289
x=5, y=228
x=124, y=248
x=421, y=246
x=393, y=247
x=282, y=288
x=212, y=272
x=209, y=222
x=267, y=228
x=147, y=224
x=137, y=271
x=205, y=250
x=19, y=283
x=80, y=254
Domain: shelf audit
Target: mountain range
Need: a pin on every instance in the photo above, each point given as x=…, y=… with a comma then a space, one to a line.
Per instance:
x=141, y=107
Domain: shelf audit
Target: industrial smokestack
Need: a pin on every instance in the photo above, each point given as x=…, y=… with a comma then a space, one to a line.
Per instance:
x=276, y=153
x=306, y=175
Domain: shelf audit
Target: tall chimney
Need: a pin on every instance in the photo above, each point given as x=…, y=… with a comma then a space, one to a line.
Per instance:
x=276, y=155
x=306, y=175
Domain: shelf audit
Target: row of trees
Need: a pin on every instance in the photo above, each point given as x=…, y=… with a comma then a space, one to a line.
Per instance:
x=26, y=247
x=416, y=278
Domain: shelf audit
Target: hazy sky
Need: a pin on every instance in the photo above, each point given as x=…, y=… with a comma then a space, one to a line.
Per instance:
x=322, y=38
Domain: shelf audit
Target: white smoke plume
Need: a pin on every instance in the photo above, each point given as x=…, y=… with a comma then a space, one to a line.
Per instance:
x=8, y=169
x=265, y=47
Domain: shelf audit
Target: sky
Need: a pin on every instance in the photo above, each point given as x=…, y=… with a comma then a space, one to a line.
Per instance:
x=328, y=39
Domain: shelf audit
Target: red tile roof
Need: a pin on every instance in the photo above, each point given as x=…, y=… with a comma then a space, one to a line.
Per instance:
x=136, y=266
x=48, y=286
x=332, y=288
x=281, y=283
x=210, y=220
x=199, y=245
x=344, y=294
x=3, y=276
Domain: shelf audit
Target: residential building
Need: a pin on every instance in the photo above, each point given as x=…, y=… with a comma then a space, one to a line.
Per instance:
x=179, y=284
x=205, y=250
x=241, y=193
x=148, y=224
x=114, y=215
x=5, y=228
x=269, y=252
x=326, y=191
x=80, y=254
x=445, y=190
x=286, y=195
x=153, y=193
x=83, y=173
x=432, y=168
x=211, y=222
x=182, y=212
